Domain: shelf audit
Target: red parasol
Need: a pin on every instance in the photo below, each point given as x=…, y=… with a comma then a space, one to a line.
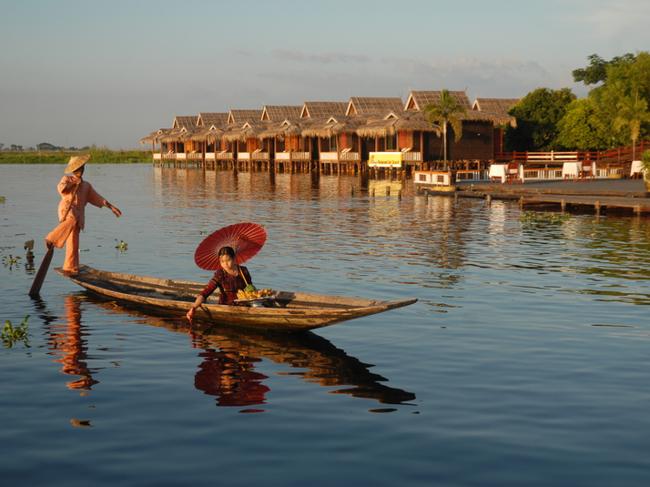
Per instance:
x=245, y=238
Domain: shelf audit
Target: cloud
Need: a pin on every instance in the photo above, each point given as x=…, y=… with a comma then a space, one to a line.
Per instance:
x=613, y=18
x=321, y=58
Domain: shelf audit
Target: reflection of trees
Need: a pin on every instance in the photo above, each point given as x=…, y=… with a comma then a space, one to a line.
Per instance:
x=614, y=249
x=230, y=355
x=66, y=342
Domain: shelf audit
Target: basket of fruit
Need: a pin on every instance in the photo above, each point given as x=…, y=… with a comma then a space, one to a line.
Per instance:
x=251, y=296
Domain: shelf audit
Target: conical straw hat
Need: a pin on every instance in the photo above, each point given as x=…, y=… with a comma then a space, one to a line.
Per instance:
x=76, y=162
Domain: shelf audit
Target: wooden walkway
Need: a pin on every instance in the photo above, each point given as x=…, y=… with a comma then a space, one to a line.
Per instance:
x=598, y=196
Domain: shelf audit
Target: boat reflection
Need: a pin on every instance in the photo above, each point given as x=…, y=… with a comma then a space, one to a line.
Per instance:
x=229, y=357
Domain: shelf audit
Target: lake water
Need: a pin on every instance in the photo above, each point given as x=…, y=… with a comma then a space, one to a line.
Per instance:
x=525, y=361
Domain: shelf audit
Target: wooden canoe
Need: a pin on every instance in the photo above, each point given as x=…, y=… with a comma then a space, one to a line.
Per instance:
x=294, y=311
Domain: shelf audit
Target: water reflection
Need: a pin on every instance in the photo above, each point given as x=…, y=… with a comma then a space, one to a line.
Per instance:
x=68, y=343
x=317, y=360
x=229, y=358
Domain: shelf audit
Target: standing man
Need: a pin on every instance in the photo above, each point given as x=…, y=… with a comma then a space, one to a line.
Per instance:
x=75, y=194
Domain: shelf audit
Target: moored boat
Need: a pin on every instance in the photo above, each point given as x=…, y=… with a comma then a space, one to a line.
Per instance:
x=291, y=311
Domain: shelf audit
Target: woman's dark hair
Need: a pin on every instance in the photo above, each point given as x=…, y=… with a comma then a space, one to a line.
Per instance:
x=229, y=251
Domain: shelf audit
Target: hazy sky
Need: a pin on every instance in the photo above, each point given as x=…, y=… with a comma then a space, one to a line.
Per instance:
x=77, y=72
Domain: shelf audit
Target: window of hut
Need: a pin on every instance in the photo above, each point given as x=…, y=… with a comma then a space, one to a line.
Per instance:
x=391, y=142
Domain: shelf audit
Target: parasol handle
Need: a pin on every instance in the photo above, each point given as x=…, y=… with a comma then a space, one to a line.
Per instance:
x=242, y=276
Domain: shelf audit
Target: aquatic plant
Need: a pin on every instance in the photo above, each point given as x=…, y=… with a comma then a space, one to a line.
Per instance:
x=122, y=246
x=2, y=199
x=12, y=335
x=543, y=217
x=10, y=261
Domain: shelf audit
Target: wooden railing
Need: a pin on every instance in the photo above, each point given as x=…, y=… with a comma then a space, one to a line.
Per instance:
x=260, y=156
x=471, y=175
x=224, y=156
x=412, y=156
x=349, y=156
x=292, y=156
x=619, y=155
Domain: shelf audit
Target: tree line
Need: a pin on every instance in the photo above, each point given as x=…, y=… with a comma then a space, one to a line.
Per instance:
x=614, y=113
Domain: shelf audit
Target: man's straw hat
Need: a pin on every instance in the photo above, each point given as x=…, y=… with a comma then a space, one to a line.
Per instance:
x=76, y=162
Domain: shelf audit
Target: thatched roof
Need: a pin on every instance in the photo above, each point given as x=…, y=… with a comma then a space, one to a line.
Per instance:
x=319, y=109
x=155, y=136
x=494, y=105
x=173, y=135
x=203, y=134
x=366, y=105
x=282, y=129
x=278, y=113
x=418, y=100
x=329, y=126
x=494, y=118
x=249, y=130
x=218, y=119
x=238, y=116
x=390, y=124
x=184, y=121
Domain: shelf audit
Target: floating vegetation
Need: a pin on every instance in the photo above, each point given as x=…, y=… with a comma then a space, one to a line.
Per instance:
x=122, y=246
x=543, y=217
x=10, y=261
x=2, y=199
x=12, y=335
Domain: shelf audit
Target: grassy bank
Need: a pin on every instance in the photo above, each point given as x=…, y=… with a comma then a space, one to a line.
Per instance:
x=98, y=156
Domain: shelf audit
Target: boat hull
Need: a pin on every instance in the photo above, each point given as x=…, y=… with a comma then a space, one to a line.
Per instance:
x=295, y=311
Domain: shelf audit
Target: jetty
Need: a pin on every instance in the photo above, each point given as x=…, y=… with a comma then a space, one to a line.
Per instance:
x=597, y=196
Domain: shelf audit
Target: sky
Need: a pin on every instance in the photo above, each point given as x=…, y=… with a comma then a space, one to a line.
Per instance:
x=81, y=72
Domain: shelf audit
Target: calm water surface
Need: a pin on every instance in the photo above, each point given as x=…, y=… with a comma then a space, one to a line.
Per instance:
x=525, y=361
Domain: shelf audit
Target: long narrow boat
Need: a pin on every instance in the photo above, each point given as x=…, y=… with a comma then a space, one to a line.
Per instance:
x=292, y=311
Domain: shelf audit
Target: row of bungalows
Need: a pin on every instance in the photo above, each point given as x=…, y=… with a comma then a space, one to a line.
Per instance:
x=330, y=136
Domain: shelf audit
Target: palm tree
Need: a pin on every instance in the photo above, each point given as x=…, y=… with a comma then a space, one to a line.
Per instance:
x=443, y=113
x=632, y=112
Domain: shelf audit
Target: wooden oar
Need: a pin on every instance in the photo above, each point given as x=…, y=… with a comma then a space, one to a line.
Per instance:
x=35, y=290
x=42, y=272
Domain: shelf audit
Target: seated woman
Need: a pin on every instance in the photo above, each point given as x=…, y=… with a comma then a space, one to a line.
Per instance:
x=230, y=278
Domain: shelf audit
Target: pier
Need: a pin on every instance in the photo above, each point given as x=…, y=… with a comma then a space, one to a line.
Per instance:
x=599, y=196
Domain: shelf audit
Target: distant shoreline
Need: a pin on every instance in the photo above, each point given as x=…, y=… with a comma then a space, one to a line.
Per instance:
x=98, y=156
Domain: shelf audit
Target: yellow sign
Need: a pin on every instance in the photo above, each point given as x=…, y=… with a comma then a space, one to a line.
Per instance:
x=385, y=159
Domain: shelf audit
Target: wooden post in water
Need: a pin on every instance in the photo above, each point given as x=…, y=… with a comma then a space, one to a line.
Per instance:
x=563, y=205
x=597, y=207
x=488, y=199
x=387, y=190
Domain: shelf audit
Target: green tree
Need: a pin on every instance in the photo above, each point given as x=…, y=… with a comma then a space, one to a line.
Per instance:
x=538, y=114
x=632, y=111
x=581, y=128
x=445, y=112
x=596, y=71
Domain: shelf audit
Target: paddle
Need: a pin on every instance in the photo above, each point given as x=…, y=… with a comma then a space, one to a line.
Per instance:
x=35, y=290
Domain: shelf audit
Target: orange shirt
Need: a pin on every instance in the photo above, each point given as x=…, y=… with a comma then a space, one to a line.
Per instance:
x=77, y=203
